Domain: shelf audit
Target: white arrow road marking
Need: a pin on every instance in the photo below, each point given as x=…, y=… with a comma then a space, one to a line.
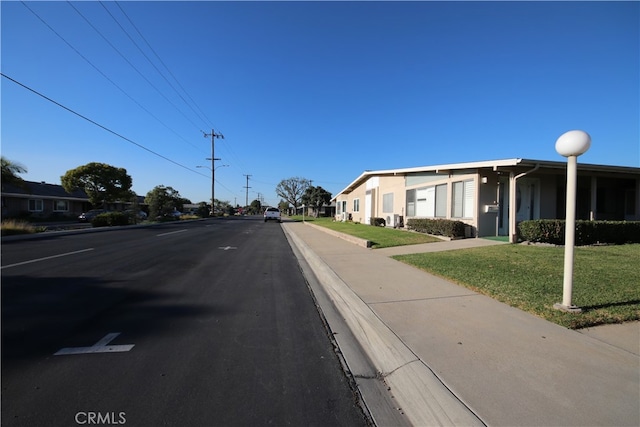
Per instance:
x=45, y=258
x=99, y=347
x=226, y=248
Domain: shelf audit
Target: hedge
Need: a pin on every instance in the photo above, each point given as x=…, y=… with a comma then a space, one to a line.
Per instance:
x=377, y=222
x=587, y=232
x=110, y=219
x=439, y=227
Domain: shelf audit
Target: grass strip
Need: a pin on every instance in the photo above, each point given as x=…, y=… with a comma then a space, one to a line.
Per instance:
x=381, y=237
x=606, y=281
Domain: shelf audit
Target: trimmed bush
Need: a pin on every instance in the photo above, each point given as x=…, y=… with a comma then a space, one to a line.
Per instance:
x=378, y=222
x=110, y=219
x=587, y=232
x=438, y=227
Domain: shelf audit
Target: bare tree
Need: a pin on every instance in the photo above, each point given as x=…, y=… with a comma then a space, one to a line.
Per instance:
x=292, y=189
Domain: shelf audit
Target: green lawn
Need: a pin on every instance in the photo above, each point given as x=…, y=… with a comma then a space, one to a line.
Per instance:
x=380, y=237
x=606, y=281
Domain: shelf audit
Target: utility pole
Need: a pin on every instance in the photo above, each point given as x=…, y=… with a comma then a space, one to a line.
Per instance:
x=246, y=203
x=213, y=136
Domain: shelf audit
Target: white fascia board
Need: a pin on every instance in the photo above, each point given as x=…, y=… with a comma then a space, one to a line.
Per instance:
x=404, y=171
x=40, y=196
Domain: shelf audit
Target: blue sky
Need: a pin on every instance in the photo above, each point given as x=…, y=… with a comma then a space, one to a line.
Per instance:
x=320, y=90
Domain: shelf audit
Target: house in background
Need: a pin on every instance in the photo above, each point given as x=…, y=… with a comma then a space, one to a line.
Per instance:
x=49, y=201
x=490, y=196
x=42, y=200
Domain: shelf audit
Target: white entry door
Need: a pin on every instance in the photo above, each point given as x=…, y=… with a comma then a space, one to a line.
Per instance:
x=367, y=208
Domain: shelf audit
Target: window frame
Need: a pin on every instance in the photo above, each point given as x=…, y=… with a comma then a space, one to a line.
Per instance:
x=35, y=205
x=463, y=199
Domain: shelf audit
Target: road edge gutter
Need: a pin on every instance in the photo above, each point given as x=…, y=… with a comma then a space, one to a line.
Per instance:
x=420, y=395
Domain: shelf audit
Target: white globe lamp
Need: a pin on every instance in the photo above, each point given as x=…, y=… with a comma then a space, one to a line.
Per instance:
x=570, y=145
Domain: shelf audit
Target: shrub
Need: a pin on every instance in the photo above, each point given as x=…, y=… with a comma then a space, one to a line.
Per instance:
x=438, y=227
x=12, y=227
x=587, y=232
x=110, y=219
x=378, y=222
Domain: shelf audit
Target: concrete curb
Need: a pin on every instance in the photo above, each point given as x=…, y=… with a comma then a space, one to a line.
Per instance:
x=422, y=396
x=356, y=240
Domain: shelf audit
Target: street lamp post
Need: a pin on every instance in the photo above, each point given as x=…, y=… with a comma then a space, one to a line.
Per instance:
x=570, y=145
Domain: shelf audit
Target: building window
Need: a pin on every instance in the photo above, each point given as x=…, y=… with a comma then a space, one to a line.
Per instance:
x=356, y=205
x=411, y=203
x=338, y=207
x=35, y=205
x=60, y=206
x=463, y=199
x=441, y=201
x=428, y=202
x=387, y=203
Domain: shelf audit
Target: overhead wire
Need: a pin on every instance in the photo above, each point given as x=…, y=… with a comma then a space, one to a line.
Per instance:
x=99, y=125
x=237, y=160
x=118, y=87
x=93, y=65
x=139, y=72
x=226, y=146
x=202, y=115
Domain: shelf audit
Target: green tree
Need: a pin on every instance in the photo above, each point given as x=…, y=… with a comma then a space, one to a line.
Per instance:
x=222, y=206
x=284, y=206
x=255, y=207
x=103, y=183
x=203, y=210
x=316, y=197
x=292, y=189
x=163, y=201
x=10, y=171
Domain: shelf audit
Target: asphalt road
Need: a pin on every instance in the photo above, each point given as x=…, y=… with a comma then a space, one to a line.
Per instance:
x=198, y=323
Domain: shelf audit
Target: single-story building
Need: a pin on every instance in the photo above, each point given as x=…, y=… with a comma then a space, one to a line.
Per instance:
x=41, y=200
x=481, y=194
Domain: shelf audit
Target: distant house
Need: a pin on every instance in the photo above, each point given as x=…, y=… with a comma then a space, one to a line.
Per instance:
x=42, y=200
x=490, y=196
x=326, y=210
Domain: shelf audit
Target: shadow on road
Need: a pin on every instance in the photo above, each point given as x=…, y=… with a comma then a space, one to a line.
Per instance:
x=39, y=315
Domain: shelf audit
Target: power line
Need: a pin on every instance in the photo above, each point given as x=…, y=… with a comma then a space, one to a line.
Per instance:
x=97, y=69
x=203, y=116
x=99, y=125
x=138, y=71
x=152, y=64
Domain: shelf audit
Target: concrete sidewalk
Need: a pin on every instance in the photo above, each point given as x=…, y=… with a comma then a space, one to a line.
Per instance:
x=451, y=356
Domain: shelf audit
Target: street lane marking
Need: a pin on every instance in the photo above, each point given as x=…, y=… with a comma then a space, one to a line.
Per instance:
x=171, y=232
x=99, y=347
x=45, y=258
x=226, y=248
